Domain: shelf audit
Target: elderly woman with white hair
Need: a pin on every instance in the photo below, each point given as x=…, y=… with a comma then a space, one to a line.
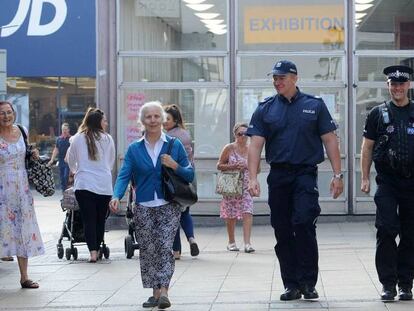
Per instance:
x=156, y=219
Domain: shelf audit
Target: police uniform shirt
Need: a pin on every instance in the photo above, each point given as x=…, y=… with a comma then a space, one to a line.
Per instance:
x=400, y=133
x=373, y=125
x=292, y=130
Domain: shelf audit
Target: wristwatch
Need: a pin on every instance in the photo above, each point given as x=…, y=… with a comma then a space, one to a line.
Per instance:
x=338, y=176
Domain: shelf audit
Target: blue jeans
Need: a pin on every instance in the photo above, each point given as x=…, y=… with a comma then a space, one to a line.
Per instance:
x=64, y=174
x=187, y=225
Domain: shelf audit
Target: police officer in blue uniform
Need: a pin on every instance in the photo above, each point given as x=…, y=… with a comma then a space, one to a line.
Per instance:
x=293, y=126
x=389, y=142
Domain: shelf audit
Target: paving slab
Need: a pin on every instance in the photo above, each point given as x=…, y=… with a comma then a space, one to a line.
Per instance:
x=216, y=280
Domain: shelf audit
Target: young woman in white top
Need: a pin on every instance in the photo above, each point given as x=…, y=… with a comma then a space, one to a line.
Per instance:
x=91, y=156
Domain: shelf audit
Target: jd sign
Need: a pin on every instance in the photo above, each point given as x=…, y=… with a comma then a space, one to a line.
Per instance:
x=35, y=14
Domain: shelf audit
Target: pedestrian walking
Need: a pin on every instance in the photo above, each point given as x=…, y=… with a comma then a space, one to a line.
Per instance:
x=388, y=141
x=174, y=125
x=233, y=157
x=156, y=219
x=91, y=157
x=294, y=127
x=60, y=149
x=19, y=231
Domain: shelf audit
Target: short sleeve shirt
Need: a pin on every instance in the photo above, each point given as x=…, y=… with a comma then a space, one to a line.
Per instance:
x=292, y=130
x=62, y=144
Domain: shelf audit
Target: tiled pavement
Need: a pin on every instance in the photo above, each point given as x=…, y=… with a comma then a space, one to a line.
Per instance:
x=216, y=280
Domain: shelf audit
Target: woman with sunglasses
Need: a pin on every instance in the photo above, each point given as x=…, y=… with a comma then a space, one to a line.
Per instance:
x=234, y=157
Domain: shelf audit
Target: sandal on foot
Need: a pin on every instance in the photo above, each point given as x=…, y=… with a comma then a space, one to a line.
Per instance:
x=29, y=284
x=150, y=303
x=248, y=248
x=232, y=247
x=7, y=258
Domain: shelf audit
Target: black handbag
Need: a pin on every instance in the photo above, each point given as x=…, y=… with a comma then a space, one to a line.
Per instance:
x=177, y=189
x=38, y=173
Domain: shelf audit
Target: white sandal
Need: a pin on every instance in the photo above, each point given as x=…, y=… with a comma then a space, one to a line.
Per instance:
x=248, y=248
x=232, y=247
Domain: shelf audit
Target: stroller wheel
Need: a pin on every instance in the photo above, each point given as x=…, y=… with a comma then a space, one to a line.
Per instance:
x=106, y=252
x=60, y=251
x=75, y=253
x=129, y=247
x=68, y=253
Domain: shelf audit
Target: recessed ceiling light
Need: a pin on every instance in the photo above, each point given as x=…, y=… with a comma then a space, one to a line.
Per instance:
x=362, y=7
x=359, y=15
x=219, y=31
x=200, y=7
x=364, y=1
x=207, y=15
x=194, y=1
x=216, y=26
x=212, y=21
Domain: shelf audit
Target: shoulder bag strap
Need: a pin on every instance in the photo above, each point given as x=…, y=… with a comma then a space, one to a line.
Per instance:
x=170, y=145
x=23, y=134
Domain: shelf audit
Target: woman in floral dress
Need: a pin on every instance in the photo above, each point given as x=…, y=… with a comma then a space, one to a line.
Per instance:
x=19, y=232
x=234, y=157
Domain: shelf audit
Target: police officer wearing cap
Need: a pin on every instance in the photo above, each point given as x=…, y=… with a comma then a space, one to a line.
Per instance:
x=293, y=127
x=388, y=140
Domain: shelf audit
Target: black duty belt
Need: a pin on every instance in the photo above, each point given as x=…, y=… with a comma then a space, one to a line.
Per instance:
x=289, y=166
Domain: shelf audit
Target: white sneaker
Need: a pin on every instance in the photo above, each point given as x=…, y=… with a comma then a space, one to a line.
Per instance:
x=232, y=247
x=248, y=248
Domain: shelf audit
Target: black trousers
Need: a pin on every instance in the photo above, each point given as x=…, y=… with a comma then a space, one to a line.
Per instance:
x=394, y=199
x=294, y=208
x=93, y=208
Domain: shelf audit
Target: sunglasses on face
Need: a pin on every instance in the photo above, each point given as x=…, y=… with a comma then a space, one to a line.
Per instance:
x=240, y=134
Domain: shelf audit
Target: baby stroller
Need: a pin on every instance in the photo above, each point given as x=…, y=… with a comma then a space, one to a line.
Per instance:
x=131, y=240
x=73, y=228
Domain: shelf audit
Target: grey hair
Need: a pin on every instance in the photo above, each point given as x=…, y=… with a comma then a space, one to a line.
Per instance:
x=146, y=107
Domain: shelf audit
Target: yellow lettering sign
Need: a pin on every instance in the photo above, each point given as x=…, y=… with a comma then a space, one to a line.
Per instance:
x=294, y=24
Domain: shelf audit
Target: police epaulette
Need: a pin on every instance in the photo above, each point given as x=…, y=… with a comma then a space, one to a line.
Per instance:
x=314, y=96
x=267, y=99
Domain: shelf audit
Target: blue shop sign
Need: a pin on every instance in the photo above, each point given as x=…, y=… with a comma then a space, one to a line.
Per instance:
x=49, y=37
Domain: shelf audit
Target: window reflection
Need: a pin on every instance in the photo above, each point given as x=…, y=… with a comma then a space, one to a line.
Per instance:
x=384, y=25
x=173, y=25
x=291, y=25
x=206, y=108
x=310, y=68
x=198, y=69
x=370, y=68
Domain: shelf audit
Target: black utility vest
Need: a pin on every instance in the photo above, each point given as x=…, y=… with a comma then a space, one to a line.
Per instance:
x=394, y=148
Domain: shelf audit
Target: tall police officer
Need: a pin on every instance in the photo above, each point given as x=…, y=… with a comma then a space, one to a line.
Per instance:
x=389, y=142
x=293, y=125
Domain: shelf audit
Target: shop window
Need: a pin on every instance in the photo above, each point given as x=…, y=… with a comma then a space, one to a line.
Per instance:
x=173, y=25
x=384, y=25
x=291, y=25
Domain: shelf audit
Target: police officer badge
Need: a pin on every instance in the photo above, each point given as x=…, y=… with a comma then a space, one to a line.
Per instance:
x=390, y=129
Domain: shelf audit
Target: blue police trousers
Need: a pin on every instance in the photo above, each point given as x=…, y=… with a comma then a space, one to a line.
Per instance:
x=294, y=208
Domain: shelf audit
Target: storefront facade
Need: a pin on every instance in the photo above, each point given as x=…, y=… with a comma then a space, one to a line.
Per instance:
x=51, y=64
x=211, y=58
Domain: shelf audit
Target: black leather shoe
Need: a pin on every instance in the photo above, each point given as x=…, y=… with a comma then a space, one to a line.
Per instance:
x=291, y=294
x=405, y=293
x=388, y=293
x=150, y=303
x=309, y=292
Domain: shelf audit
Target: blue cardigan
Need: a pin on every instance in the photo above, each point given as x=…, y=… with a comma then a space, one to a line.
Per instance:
x=138, y=164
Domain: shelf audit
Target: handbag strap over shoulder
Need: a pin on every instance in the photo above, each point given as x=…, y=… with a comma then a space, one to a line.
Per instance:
x=23, y=134
x=170, y=145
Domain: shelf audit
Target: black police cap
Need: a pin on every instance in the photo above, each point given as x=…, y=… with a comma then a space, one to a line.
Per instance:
x=398, y=73
x=283, y=67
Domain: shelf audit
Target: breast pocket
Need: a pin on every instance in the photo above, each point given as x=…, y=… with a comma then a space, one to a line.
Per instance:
x=308, y=121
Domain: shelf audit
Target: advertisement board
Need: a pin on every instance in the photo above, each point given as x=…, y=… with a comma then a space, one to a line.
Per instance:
x=49, y=37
